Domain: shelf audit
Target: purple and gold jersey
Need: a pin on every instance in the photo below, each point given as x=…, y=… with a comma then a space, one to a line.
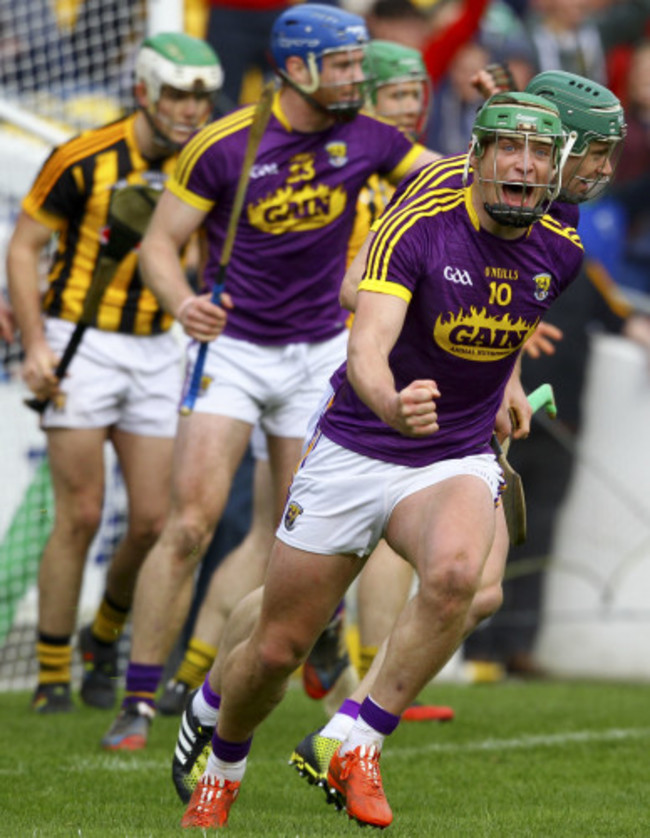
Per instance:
x=289, y=255
x=473, y=299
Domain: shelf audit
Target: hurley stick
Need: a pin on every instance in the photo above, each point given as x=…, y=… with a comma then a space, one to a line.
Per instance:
x=512, y=497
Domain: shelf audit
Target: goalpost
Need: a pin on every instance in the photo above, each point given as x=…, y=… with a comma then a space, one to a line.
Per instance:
x=64, y=67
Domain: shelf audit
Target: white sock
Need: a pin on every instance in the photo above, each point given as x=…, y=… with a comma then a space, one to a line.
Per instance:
x=204, y=712
x=338, y=727
x=233, y=771
x=363, y=735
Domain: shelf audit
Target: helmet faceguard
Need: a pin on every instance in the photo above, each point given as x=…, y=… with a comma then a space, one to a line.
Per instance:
x=312, y=31
x=595, y=115
x=389, y=64
x=178, y=61
x=531, y=123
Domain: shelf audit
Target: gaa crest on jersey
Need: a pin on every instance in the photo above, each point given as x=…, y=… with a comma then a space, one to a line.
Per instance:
x=337, y=153
x=542, y=286
x=457, y=275
x=294, y=511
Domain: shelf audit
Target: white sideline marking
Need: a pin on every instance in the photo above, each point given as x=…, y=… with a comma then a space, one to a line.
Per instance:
x=548, y=740
x=115, y=763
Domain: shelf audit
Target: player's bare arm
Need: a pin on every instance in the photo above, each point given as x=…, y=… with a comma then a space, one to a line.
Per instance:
x=377, y=325
x=515, y=413
x=425, y=157
x=23, y=255
x=352, y=278
x=170, y=228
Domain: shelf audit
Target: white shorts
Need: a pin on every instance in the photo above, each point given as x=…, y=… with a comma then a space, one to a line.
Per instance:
x=341, y=501
x=277, y=386
x=130, y=382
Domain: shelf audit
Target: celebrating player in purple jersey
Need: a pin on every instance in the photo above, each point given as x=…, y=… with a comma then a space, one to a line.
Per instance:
x=452, y=288
x=281, y=330
x=590, y=112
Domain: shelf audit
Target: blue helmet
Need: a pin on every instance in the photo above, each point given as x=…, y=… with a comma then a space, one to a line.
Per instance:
x=310, y=30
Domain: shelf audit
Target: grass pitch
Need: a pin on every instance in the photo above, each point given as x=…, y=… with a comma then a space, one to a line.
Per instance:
x=520, y=759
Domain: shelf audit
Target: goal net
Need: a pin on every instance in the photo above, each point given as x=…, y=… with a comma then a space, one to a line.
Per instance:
x=65, y=65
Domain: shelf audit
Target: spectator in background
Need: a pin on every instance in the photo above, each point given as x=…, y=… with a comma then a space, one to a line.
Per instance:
x=239, y=31
x=576, y=36
x=633, y=181
x=398, y=20
x=456, y=100
x=498, y=37
x=452, y=25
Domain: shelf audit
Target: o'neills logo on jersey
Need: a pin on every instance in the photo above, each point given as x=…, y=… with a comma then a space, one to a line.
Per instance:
x=501, y=273
x=308, y=208
x=479, y=336
x=294, y=511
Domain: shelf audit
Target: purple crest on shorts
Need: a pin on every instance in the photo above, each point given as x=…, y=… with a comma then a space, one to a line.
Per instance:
x=294, y=511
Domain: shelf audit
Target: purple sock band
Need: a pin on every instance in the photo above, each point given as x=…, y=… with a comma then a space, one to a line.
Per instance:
x=230, y=751
x=141, y=683
x=350, y=708
x=377, y=718
x=211, y=697
x=339, y=608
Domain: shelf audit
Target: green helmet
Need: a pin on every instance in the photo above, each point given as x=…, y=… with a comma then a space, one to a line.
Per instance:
x=592, y=113
x=390, y=65
x=179, y=61
x=386, y=62
x=532, y=119
x=517, y=113
x=590, y=110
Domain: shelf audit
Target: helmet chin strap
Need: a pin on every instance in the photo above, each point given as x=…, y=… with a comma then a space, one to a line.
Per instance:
x=509, y=216
x=306, y=91
x=160, y=139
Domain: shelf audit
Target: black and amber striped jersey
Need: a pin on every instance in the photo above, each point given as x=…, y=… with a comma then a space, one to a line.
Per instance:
x=71, y=195
x=372, y=201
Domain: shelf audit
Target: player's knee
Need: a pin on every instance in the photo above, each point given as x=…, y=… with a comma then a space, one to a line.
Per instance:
x=486, y=603
x=189, y=535
x=145, y=531
x=452, y=582
x=279, y=657
x=84, y=519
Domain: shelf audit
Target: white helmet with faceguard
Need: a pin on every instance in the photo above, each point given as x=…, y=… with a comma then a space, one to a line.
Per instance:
x=180, y=63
